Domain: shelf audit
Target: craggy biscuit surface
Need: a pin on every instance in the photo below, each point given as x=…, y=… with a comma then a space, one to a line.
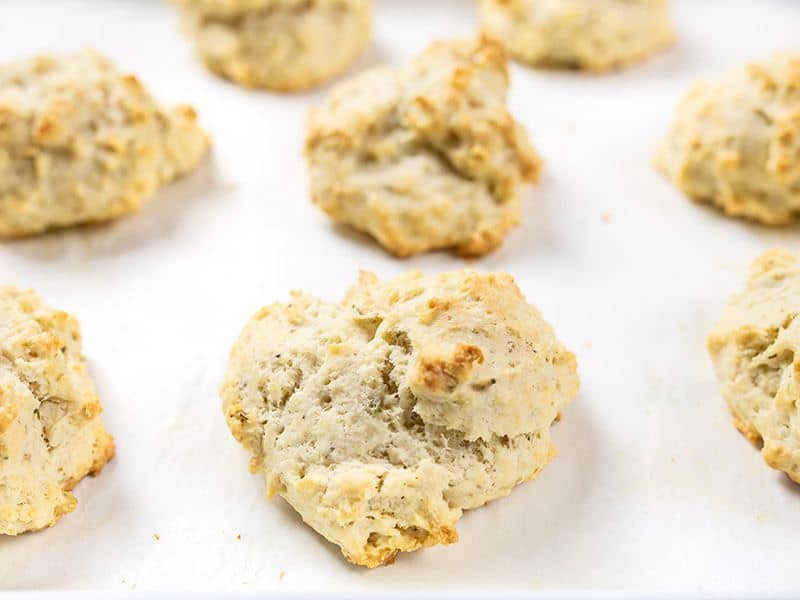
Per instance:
x=735, y=143
x=756, y=351
x=282, y=45
x=424, y=157
x=381, y=418
x=81, y=143
x=51, y=435
x=591, y=35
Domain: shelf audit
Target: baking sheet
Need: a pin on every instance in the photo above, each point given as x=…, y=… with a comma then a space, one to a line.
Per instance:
x=653, y=490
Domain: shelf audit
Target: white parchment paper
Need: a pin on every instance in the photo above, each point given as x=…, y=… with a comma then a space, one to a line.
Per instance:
x=653, y=489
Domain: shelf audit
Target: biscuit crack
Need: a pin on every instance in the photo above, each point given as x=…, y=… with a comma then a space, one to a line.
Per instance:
x=33, y=390
x=767, y=368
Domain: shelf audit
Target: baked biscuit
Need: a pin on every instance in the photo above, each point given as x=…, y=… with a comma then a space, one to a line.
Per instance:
x=82, y=143
x=51, y=435
x=381, y=418
x=756, y=352
x=281, y=45
x=590, y=35
x=424, y=157
x=734, y=143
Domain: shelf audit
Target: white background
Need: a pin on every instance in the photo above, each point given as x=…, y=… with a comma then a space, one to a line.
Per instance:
x=653, y=489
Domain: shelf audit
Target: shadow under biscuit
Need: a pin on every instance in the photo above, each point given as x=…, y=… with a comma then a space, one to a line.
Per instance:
x=360, y=239
x=538, y=509
x=103, y=513
x=290, y=515
x=792, y=487
x=771, y=236
x=544, y=509
x=535, y=231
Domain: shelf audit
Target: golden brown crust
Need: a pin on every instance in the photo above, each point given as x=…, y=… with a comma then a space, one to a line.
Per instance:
x=445, y=374
x=747, y=430
x=381, y=556
x=106, y=450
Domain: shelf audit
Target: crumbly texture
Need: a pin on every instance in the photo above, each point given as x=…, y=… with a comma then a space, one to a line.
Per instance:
x=590, y=35
x=51, y=435
x=82, y=143
x=756, y=351
x=281, y=45
x=383, y=417
x=735, y=143
x=424, y=157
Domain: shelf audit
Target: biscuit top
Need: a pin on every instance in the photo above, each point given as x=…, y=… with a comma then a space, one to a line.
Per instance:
x=485, y=362
x=80, y=103
x=450, y=99
x=473, y=354
x=53, y=99
x=59, y=93
x=29, y=81
x=43, y=347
